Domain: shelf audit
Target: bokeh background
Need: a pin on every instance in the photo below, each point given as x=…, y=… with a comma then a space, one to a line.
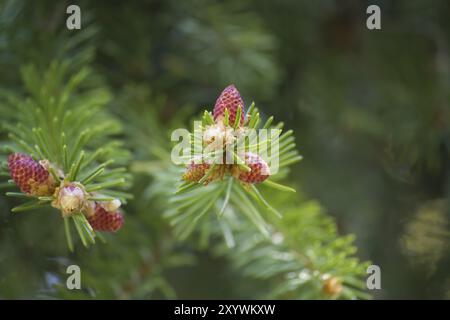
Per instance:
x=370, y=110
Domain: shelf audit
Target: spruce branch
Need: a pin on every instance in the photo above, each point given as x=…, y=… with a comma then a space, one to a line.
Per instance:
x=300, y=254
x=238, y=226
x=228, y=133
x=58, y=148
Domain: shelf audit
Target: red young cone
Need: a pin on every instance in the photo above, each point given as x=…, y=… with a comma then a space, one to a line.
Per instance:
x=103, y=220
x=31, y=177
x=195, y=171
x=259, y=169
x=230, y=99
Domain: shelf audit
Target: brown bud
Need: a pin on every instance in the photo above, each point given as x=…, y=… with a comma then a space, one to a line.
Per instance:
x=332, y=287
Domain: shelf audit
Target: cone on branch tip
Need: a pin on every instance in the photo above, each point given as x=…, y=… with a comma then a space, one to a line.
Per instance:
x=195, y=171
x=230, y=99
x=30, y=176
x=221, y=136
x=69, y=197
x=102, y=220
x=259, y=170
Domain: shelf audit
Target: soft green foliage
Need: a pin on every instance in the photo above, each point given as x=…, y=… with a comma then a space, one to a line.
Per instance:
x=298, y=256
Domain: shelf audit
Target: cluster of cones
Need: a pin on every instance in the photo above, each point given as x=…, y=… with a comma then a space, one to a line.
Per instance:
x=228, y=110
x=34, y=178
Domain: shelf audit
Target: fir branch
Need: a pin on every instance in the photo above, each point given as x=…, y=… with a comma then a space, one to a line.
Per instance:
x=58, y=125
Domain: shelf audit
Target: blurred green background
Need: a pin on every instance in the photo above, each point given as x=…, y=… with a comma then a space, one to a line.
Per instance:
x=370, y=110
